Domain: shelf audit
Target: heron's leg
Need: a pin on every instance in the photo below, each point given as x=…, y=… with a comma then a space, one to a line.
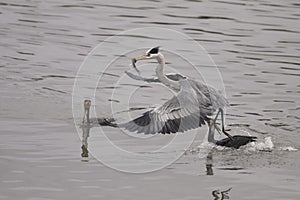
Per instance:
x=212, y=123
x=215, y=124
x=223, y=128
x=218, y=128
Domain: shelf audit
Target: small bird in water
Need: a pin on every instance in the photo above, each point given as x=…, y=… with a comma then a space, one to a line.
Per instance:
x=95, y=121
x=237, y=141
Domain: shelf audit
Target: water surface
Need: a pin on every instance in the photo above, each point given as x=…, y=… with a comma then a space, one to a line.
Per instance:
x=255, y=44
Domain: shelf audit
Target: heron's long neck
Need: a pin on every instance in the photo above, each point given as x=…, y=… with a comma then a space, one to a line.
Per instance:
x=162, y=77
x=211, y=133
x=86, y=117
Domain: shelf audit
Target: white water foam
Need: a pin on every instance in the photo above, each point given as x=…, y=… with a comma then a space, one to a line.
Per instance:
x=266, y=145
x=288, y=148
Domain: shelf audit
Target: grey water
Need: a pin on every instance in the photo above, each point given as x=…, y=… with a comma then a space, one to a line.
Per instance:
x=255, y=45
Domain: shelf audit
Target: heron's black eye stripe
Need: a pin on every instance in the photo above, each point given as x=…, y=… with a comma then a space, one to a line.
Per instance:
x=154, y=50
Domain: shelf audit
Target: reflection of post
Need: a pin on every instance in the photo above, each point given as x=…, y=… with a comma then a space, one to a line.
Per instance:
x=85, y=135
x=209, y=164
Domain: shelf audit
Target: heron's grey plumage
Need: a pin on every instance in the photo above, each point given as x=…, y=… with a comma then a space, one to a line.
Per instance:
x=194, y=104
x=172, y=76
x=191, y=107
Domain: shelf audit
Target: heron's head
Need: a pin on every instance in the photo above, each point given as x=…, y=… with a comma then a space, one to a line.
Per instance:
x=151, y=53
x=87, y=104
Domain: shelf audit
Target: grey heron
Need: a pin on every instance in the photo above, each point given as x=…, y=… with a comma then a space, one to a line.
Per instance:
x=192, y=106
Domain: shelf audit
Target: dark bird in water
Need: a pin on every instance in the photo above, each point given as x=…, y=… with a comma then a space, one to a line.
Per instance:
x=95, y=121
x=236, y=141
x=192, y=106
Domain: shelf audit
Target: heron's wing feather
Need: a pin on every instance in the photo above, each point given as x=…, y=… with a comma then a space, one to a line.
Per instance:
x=175, y=76
x=149, y=123
x=140, y=78
x=181, y=113
x=204, y=91
x=215, y=97
x=172, y=76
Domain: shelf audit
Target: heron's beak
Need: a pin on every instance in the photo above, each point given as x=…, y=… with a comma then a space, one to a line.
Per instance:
x=134, y=60
x=142, y=57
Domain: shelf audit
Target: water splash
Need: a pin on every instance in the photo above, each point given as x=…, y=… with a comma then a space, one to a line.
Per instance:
x=288, y=148
x=205, y=147
x=266, y=145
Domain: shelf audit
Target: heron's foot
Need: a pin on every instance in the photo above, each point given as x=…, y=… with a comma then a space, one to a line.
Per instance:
x=227, y=134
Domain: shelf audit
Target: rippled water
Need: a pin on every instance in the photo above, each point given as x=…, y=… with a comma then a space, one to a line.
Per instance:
x=255, y=44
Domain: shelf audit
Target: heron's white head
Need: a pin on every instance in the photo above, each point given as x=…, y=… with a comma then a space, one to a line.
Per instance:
x=151, y=53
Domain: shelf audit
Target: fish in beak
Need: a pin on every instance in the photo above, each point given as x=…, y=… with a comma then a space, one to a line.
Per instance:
x=134, y=60
x=151, y=53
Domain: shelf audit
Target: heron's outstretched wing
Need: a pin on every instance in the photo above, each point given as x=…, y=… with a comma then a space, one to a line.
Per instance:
x=186, y=110
x=216, y=99
x=140, y=78
x=175, y=76
x=172, y=76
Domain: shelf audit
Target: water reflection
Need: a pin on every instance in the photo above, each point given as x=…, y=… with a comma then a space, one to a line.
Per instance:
x=51, y=38
x=220, y=195
x=88, y=123
x=209, y=164
x=85, y=136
